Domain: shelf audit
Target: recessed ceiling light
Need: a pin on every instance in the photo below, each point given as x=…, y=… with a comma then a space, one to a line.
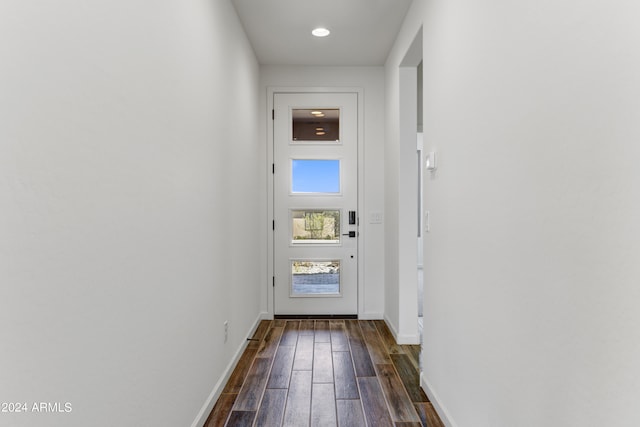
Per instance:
x=321, y=133
x=321, y=32
x=316, y=113
x=319, y=129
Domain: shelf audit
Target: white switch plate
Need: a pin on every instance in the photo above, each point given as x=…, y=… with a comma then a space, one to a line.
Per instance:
x=427, y=222
x=430, y=161
x=375, y=218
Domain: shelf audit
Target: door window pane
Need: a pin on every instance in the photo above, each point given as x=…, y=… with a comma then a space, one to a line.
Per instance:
x=315, y=176
x=321, y=124
x=315, y=226
x=315, y=278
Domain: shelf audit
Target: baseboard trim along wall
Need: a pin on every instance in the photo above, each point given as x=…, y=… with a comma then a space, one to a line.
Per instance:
x=408, y=339
x=412, y=339
x=202, y=416
x=371, y=316
x=437, y=405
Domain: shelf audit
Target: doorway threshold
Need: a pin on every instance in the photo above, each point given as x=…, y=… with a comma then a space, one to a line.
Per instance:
x=316, y=316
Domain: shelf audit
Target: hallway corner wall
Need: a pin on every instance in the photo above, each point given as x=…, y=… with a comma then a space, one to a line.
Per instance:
x=530, y=269
x=129, y=194
x=401, y=271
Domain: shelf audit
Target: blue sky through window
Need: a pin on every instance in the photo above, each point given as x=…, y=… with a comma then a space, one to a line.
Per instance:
x=315, y=176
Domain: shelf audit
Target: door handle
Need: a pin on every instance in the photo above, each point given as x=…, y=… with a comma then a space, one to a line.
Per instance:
x=350, y=234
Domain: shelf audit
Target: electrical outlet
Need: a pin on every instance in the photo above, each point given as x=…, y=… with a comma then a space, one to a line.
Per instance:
x=226, y=330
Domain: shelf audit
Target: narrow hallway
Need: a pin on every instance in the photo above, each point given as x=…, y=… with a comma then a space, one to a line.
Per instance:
x=324, y=373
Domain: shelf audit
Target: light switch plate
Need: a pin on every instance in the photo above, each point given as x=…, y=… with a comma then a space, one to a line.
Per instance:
x=375, y=218
x=430, y=161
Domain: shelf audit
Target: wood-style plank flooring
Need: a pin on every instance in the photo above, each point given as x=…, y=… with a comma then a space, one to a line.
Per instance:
x=347, y=373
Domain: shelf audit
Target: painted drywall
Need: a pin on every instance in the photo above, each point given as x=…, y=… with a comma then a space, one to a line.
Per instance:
x=371, y=80
x=391, y=200
x=407, y=280
x=128, y=192
x=401, y=202
x=531, y=265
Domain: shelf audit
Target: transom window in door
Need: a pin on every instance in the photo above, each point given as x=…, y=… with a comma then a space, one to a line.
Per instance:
x=313, y=176
x=315, y=226
x=315, y=125
x=315, y=278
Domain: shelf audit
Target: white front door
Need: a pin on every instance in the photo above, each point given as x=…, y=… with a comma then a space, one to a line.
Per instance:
x=315, y=202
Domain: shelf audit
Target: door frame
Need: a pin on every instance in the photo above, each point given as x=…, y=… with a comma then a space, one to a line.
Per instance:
x=271, y=92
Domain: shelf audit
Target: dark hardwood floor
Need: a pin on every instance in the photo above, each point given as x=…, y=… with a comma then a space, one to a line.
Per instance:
x=347, y=373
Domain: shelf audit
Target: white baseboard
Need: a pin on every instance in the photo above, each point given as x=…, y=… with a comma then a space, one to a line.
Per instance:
x=202, y=416
x=392, y=328
x=370, y=316
x=444, y=415
x=411, y=339
x=264, y=316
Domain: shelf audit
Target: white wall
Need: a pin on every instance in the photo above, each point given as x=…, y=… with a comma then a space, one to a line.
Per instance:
x=401, y=204
x=128, y=175
x=371, y=80
x=531, y=267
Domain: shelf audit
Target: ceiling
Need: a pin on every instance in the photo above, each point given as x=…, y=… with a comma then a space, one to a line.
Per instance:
x=362, y=31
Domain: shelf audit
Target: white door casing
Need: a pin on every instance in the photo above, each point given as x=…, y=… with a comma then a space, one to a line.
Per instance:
x=315, y=255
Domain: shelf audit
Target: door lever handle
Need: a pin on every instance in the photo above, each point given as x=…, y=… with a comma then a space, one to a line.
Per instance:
x=350, y=234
